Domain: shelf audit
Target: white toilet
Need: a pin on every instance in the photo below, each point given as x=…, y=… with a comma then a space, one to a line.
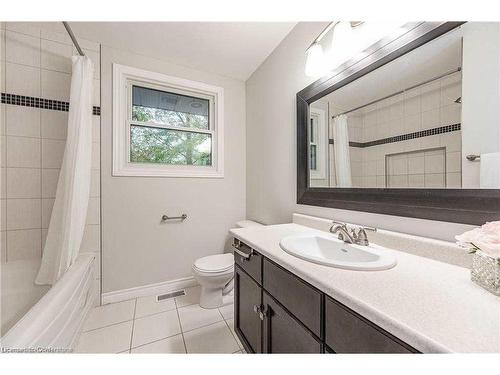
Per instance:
x=215, y=274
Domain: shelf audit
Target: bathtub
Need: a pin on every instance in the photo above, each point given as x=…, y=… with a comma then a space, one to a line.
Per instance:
x=55, y=321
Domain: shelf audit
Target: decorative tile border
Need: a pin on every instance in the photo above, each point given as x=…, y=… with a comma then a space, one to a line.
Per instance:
x=30, y=101
x=405, y=137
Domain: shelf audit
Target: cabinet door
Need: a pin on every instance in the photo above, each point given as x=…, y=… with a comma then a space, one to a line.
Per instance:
x=247, y=303
x=346, y=332
x=283, y=333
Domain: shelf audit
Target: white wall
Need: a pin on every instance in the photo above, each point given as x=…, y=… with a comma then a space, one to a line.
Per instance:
x=481, y=95
x=136, y=249
x=271, y=145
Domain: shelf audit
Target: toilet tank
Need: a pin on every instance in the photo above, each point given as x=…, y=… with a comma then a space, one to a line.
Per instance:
x=247, y=223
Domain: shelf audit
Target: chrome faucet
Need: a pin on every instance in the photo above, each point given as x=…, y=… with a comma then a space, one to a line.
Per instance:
x=343, y=232
x=358, y=238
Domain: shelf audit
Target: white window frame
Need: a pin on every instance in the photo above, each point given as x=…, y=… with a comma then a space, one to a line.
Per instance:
x=124, y=77
x=321, y=140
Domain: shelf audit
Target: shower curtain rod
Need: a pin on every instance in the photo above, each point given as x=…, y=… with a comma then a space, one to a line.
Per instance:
x=401, y=91
x=73, y=38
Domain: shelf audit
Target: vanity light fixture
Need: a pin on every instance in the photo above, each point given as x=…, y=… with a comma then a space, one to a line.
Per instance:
x=316, y=63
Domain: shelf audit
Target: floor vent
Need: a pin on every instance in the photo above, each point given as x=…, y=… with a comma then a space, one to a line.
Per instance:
x=177, y=293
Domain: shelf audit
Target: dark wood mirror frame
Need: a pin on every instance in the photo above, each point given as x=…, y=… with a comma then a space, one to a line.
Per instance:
x=469, y=206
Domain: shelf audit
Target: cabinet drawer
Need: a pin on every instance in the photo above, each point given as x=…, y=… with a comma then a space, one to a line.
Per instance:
x=283, y=333
x=300, y=298
x=251, y=265
x=347, y=332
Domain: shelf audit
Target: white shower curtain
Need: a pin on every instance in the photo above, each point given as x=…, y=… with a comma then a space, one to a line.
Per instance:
x=341, y=147
x=69, y=213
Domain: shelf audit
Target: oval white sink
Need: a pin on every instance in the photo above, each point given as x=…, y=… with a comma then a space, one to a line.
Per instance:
x=330, y=251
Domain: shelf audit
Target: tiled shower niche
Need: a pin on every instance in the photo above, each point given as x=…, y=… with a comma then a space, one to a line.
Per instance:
x=417, y=169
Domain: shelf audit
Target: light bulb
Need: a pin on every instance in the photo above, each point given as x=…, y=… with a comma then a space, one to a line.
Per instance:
x=315, y=63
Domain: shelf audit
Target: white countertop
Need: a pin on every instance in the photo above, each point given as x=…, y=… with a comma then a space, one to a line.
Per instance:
x=432, y=306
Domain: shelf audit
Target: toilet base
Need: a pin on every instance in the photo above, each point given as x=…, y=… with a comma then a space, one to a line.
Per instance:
x=211, y=298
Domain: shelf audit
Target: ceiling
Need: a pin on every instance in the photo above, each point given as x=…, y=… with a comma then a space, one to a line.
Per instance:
x=231, y=49
x=435, y=58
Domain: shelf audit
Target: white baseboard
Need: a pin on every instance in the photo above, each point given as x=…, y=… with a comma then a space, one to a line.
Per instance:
x=148, y=290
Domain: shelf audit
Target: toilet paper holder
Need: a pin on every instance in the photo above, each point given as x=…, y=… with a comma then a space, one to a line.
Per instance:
x=473, y=157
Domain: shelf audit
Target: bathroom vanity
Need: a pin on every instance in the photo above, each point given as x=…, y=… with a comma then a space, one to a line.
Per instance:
x=278, y=312
x=284, y=304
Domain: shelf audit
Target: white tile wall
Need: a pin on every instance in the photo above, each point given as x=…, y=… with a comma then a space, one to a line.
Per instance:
x=23, y=214
x=425, y=107
x=23, y=152
x=52, y=153
x=22, y=49
x=54, y=124
x=417, y=169
x=24, y=244
x=22, y=79
x=23, y=182
x=3, y=183
x=49, y=182
x=38, y=63
x=56, y=56
x=22, y=121
x=55, y=85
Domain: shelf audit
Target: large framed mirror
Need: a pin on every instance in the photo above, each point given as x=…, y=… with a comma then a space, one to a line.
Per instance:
x=408, y=127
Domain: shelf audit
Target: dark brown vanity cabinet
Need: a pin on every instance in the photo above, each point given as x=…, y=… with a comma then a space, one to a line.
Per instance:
x=283, y=333
x=348, y=332
x=264, y=325
x=278, y=312
x=247, y=322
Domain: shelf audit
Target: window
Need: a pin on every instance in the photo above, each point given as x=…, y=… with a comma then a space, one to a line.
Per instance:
x=317, y=142
x=166, y=126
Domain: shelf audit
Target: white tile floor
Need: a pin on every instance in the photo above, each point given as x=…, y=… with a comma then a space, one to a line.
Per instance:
x=177, y=325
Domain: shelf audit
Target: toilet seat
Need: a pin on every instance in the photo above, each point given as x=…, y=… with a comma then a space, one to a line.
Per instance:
x=215, y=264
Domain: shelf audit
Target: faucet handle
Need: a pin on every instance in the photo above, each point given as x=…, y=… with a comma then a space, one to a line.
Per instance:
x=361, y=237
x=337, y=223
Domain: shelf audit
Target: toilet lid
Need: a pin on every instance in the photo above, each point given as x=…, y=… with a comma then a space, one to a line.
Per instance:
x=215, y=263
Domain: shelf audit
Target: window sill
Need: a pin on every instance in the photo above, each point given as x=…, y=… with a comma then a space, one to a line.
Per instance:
x=147, y=170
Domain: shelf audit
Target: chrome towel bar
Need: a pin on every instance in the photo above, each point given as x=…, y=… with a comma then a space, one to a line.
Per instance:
x=473, y=157
x=181, y=218
x=244, y=256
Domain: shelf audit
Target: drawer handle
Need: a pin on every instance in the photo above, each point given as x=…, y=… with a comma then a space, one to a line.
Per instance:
x=244, y=256
x=256, y=308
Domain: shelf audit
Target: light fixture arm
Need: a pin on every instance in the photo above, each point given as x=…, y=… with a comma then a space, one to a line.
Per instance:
x=325, y=31
x=329, y=27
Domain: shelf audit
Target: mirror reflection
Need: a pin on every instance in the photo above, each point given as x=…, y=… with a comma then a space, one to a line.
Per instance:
x=429, y=119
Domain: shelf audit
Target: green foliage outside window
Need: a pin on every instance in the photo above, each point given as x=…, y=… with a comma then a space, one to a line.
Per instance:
x=166, y=146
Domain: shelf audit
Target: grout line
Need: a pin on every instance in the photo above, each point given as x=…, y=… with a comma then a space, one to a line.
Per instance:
x=133, y=326
x=164, y=338
x=108, y=325
x=38, y=137
x=41, y=153
x=153, y=314
x=180, y=325
x=233, y=334
x=6, y=155
x=100, y=175
x=204, y=326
